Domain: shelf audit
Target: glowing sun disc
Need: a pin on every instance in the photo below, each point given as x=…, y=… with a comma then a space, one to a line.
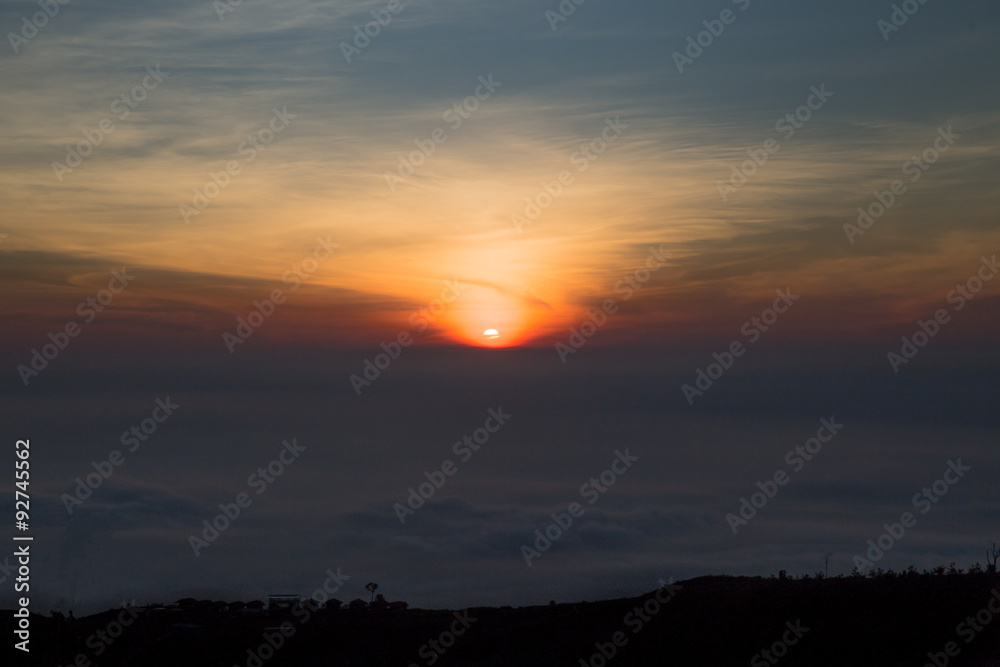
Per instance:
x=491, y=333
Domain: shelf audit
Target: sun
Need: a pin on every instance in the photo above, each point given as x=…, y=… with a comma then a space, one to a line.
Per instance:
x=490, y=317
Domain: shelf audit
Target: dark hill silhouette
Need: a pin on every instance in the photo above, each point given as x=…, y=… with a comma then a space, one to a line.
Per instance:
x=717, y=621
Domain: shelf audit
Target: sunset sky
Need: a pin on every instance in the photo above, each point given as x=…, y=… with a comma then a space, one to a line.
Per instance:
x=385, y=186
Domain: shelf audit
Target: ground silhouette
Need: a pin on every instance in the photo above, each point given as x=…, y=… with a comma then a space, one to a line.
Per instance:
x=884, y=619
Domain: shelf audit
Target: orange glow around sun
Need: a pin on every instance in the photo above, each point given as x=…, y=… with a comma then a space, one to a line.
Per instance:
x=488, y=317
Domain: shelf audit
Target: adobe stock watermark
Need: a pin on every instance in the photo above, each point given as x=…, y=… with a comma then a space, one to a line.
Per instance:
x=223, y=7
x=29, y=28
x=88, y=310
x=134, y=437
x=592, y=492
x=796, y=459
x=787, y=125
x=598, y=317
x=464, y=449
x=123, y=106
x=260, y=481
x=273, y=639
x=968, y=629
x=897, y=19
x=636, y=620
x=420, y=321
x=363, y=35
x=713, y=29
x=248, y=149
x=923, y=501
x=101, y=639
x=581, y=158
x=928, y=328
x=562, y=12
x=6, y=570
x=914, y=168
x=301, y=271
x=779, y=649
x=455, y=116
x=753, y=329
x=432, y=650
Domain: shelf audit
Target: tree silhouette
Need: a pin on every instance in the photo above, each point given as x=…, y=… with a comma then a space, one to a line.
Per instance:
x=992, y=553
x=371, y=588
